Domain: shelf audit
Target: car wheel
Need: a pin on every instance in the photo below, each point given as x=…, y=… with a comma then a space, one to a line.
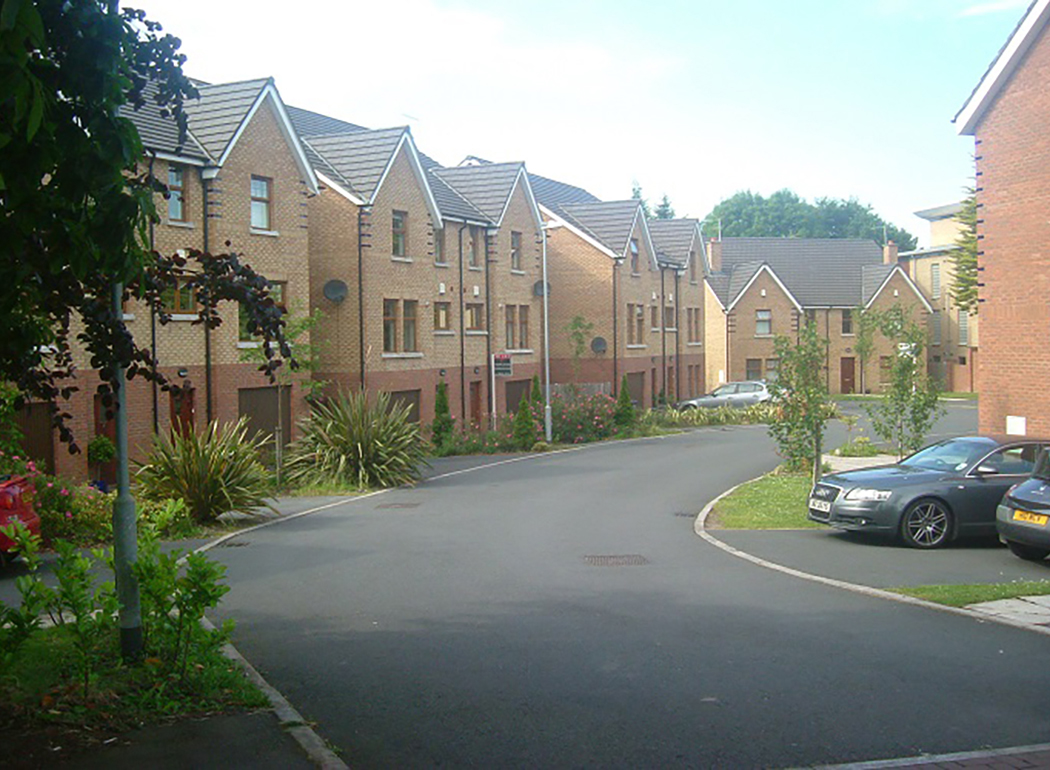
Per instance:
x=926, y=524
x=1027, y=552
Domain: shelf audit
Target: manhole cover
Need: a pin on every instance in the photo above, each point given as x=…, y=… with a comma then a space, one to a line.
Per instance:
x=616, y=560
x=685, y=515
x=398, y=505
x=234, y=544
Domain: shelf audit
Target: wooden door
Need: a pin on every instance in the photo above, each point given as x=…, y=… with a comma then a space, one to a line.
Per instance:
x=38, y=437
x=847, y=375
x=475, y=403
x=182, y=411
x=105, y=425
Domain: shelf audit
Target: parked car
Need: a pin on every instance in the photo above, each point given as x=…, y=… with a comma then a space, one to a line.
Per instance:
x=731, y=394
x=15, y=506
x=1023, y=516
x=944, y=491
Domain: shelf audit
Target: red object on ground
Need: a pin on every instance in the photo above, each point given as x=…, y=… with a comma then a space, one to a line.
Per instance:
x=15, y=506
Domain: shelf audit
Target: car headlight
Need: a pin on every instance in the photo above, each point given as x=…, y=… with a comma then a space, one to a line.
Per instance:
x=868, y=495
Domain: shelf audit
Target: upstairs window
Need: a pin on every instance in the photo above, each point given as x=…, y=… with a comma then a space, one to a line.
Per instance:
x=278, y=291
x=439, y=246
x=634, y=256
x=692, y=267
x=390, y=325
x=654, y=317
x=474, y=253
x=964, y=327
x=515, y=251
x=261, y=191
x=410, y=312
x=442, y=316
x=475, y=317
x=763, y=324
x=399, y=233
x=512, y=325
x=179, y=298
x=935, y=327
x=935, y=280
x=669, y=322
x=177, y=194
x=523, y=327
x=847, y=321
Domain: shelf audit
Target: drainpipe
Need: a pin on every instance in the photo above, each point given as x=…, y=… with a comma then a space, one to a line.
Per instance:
x=361, y=246
x=677, y=338
x=462, y=336
x=616, y=334
x=153, y=324
x=663, y=336
x=207, y=329
x=488, y=337
x=827, y=349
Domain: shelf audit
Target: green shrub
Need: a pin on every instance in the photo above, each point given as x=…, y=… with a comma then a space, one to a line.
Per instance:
x=861, y=446
x=443, y=425
x=167, y=518
x=537, y=394
x=100, y=450
x=579, y=419
x=357, y=443
x=624, y=414
x=524, y=424
x=80, y=514
x=541, y=446
x=215, y=471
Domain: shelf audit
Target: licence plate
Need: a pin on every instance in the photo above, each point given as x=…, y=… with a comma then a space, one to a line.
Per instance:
x=1031, y=518
x=819, y=505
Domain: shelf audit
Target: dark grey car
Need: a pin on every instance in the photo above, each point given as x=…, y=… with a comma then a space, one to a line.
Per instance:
x=947, y=490
x=1023, y=516
x=731, y=394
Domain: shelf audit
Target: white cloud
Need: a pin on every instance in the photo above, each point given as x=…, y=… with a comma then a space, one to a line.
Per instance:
x=995, y=6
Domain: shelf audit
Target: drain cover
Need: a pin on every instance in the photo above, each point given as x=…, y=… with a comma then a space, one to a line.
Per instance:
x=616, y=560
x=234, y=544
x=685, y=515
x=398, y=505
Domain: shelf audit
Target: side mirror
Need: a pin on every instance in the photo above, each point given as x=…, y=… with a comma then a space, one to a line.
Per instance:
x=987, y=470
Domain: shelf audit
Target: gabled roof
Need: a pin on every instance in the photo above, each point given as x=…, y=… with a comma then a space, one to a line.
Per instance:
x=160, y=133
x=948, y=211
x=872, y=283
x=818, y=272
x=553, y=194
x=361, y=157
x=674, y=239
x=309, y=123
x=1003, y=66
x=608, y=222
x=488, y=185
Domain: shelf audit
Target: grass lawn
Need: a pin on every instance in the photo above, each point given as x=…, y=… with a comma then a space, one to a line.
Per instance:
x=876, y=397
x=963, y=594
x=775, y=501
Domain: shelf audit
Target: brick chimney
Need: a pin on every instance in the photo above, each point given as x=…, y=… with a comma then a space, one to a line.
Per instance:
x=714, y=255
x=889, y=253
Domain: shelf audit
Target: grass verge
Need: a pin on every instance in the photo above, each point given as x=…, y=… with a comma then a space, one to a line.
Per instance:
x=964, y=594
x=775, y=501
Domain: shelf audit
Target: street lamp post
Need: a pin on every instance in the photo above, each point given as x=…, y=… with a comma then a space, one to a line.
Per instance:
x=546, y=344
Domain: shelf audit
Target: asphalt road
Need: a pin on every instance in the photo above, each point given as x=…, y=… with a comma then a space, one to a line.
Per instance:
x=559, y=611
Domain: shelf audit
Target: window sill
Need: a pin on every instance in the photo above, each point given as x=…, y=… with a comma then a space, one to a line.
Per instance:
x=474, y=267
x=517, y=272
x=442, y=264
x=637, y=347
x=672, y=329
x=267, y=233
x=406, y=260
x=184, y=316
x=848, y=334
x=131, y=317
x=636, y=275
x=520, y=351
x=694, y=344
x=248, y=345
x=403, y=355
x=180, y=223
x=476, y=333
x=444, y=333
x=763, y=336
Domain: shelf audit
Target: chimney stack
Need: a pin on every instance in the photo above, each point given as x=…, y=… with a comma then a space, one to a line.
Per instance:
x=889, y=253
x=714, y=255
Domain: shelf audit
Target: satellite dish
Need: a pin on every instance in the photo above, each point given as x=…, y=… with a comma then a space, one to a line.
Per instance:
x=335, y=291
x=599, y=345
x=537, y=288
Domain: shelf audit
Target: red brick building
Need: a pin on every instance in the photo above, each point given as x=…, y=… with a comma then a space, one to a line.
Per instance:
x=1007, y=114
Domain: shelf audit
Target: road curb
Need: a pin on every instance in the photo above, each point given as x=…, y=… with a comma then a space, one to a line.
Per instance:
x=700, y=528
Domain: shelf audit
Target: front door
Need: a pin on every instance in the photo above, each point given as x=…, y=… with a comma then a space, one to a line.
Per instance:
x=182, y=411
x=106, y=426
x=475, y=403
x=847, y=375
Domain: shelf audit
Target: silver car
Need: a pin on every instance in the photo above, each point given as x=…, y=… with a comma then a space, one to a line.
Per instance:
x=735, y=394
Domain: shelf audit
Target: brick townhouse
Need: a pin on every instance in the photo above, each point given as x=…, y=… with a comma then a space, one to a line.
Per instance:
x=1007, y=114
x=768, y=285
x=952, y=354
x=421, y=272
x=241, y=177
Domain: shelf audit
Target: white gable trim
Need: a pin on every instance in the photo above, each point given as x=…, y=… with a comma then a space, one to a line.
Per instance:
x=528, y=194
x=776, y=279
x=417, y=169
x=701, y=252
x=182, y=160
x=1002, y=68
x=578, y=232
x=654, y=263
x=897, y=269
x=285, y=124
x=339, y=189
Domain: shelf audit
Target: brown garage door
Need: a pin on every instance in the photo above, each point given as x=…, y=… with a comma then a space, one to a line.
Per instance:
x=409, y=398
x=636, y=385
x=515, y=390
x=38, y=438
x=259, y=405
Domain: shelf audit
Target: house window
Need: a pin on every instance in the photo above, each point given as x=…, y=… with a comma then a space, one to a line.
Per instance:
x=935, y=327
x=179, y=298
x=847, y=322
x=409, y=317
x=390, y=325
x=763, y=323
x=442, y=316
x=439, y=246
x=278, y=292
x=964, y=327
x=474, y=253
x=515, y=251
x=399, y=233
x=630, y=323
x=692, y=267
x=935, y=280
x=885, y=370
x=634, y=256
x=771, y=368
x=512, y=325
x=654, y=317
x=753, y=369
x=475, y=317
x=639, y=324
x=177, y=194
x=261, y=190
x=669, y=322
x=523, y=327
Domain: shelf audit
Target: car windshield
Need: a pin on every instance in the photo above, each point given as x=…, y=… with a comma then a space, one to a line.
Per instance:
x=725, y=390
x=953, y=455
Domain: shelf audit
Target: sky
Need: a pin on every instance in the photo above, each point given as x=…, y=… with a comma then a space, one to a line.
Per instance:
x=696, y=100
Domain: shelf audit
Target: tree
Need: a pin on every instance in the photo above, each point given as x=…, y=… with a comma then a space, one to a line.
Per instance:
x=524, y=424
x=579, y=330
x=623, y=415
x=636, y=194
x=786, y=215
x=865, y=326
x=909, y=408
x=537, y=394
x=964, y=281
x=75, y=201
x=801, y=396
x=664, y=210
x=441, y=428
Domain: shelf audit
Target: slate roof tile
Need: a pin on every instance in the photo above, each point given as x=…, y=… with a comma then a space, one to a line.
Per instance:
x=220, y=111
x=609, y=222
x=487, y=186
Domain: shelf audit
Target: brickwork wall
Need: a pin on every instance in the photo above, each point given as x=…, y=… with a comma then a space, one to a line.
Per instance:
x=716, y=365
x=1013, y=158
x=744, y=342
